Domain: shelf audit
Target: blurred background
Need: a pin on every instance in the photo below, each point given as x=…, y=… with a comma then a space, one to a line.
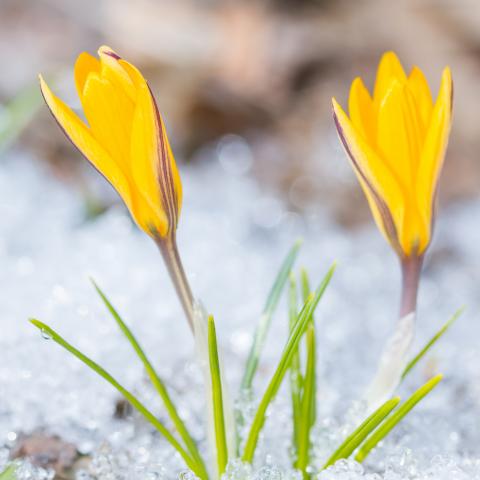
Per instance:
x=253, y=77
x=245, y=89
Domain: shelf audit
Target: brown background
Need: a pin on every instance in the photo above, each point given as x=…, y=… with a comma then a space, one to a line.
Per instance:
x=265, y=70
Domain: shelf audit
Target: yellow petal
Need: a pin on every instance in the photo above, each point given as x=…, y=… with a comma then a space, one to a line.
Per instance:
x=82, y=138
x=398, y=135
x=397, y=143
x=175, y=174
x=135, y=76
x=84, y=65
x=114, y=72
x=383, y=219
x=361, y=110
x=383, y=191
x=414, y=232
x=149, y=166
x=389, y=69
x=109, y=112
x=434, y=148
x=167, y=171
x=423, y=98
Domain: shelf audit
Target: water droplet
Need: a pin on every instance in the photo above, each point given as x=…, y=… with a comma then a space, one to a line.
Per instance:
x=45, y=334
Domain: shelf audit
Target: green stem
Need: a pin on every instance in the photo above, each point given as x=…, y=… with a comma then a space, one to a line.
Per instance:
x=411, y=270
x=169, y=250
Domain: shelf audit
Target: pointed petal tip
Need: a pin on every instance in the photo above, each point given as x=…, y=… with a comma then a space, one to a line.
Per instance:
x=447, y=74
x=41, y=81
x=356, y=86
x=389, y=55
x=45, y=89
x=338, y=113
x=416, y=71
x=339, y=116
x=335, y=106
x=356, y=82
x=447, y=85
x=388, y=58
x=105, y=50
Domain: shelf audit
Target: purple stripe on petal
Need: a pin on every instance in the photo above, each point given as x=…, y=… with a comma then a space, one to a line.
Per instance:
x=451, y=97
x=166, y=183
x=385, y=214
x=112, y=54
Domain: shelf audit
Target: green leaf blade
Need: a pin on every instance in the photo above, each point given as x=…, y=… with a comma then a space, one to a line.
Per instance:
x=155, y=379
x=48, y=332
x=217, y=397
x=307, y=418
x=15, y=115
x=296, y=378
x=285, y=360
x=266, y=317
x=351, y=443
x=305, y=283
x=391, y=422
x=432, y=342
x=10, y=473
x=306, y=290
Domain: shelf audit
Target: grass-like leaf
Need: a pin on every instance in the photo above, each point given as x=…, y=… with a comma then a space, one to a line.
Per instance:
x=217, y=399
x=200, y=328
x=351, y=443
x=306, y=290
x=149, y=416
x=305, y=283
x=9, y=473
x=296, y=378
x=386, y=427
x=15, y=115
x=431, y=342
x=307, y=418
x=285, y=361
x=157, y=382
x=266, y=317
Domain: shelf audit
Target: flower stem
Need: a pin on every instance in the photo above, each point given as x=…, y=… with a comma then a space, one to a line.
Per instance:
x=411, y=269
x=394, y=357
x=171, y=257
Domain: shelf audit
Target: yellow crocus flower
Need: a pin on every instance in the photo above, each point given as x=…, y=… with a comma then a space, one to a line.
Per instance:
x=396, y=141
x=124, y=138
